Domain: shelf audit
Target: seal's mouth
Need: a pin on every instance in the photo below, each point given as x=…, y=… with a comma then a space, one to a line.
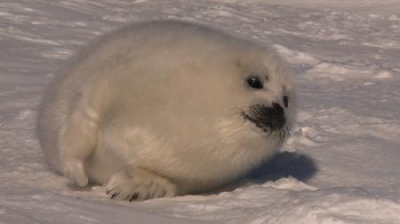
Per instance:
x=268, y=124
x=254, y=121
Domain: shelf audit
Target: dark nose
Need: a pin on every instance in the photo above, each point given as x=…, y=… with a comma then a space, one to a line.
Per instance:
x=272, y=117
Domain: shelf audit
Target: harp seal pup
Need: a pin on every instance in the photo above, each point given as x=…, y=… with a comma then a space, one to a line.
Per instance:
x=165, y=108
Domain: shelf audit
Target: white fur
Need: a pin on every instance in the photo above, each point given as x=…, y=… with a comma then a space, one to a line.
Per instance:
x=155, y=109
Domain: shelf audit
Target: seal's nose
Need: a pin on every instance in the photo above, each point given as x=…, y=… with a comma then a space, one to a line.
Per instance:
x=272, y=117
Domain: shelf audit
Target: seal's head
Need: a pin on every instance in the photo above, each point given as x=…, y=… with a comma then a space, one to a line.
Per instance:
x=202, y=80
x=274, y=111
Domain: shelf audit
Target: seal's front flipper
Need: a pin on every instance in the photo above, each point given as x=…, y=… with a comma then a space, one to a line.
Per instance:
x=138, y=184
x=77, y=143
x=75, y=172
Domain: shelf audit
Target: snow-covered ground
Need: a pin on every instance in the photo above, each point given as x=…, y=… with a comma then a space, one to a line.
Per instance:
x=341, y=164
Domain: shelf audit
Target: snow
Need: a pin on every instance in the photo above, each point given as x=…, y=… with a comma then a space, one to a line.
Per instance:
x=340, y=164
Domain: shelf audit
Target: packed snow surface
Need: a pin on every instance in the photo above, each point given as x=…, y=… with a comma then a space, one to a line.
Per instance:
x=341, y=163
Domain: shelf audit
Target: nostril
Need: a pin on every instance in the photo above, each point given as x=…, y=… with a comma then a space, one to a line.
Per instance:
x=286, y=101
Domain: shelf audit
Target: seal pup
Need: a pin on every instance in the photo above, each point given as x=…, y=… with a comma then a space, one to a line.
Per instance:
x=165, y=108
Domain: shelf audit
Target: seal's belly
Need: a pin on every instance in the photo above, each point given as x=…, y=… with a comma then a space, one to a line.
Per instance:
x=204, y=172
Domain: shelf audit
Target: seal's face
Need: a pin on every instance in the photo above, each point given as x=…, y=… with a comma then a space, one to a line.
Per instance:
x=271, y=116
x=266, y=96
x=268, y=118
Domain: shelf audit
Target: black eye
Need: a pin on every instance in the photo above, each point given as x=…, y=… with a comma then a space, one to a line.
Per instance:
x=286, y=101
x=254, y=82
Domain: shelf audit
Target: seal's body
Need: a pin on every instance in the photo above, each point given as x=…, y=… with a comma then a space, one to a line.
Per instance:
x=165, y=108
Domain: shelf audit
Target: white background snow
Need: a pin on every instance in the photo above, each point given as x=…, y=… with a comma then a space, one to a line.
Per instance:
x=340, y=165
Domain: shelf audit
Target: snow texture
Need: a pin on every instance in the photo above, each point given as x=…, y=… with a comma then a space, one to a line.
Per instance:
x=340, y=164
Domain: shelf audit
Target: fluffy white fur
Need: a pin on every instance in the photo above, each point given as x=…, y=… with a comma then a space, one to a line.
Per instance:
x=154, y=110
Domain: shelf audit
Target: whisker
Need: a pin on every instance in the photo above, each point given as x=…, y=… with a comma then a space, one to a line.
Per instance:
x=283, y=133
